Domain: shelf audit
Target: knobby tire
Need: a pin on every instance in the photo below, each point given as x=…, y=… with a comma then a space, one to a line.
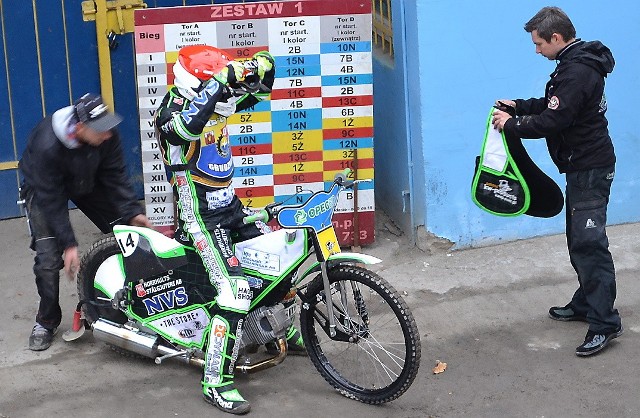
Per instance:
x=386, y=341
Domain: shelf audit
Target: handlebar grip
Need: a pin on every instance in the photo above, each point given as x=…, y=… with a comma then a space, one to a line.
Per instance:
x=342, y=176
x=260, y=216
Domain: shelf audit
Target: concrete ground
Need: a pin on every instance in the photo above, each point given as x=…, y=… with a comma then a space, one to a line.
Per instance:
x=482, y=311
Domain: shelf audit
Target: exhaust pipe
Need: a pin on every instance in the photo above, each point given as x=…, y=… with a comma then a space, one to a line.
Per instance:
x=148, y=345
x=138, y=342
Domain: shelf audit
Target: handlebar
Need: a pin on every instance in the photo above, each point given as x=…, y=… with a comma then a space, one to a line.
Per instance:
x=271, y=210
x=341, y=177
x=260, y=216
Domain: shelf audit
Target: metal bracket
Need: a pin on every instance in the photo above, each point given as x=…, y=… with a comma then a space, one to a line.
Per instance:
x=112, y=18
x=405, y=198
x=119, y=14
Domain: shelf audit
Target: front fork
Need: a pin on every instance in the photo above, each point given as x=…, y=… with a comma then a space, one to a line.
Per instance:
x=350, y=330
x=329, y=299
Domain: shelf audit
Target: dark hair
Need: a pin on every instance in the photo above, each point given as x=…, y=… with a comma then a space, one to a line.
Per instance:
x=550, y=20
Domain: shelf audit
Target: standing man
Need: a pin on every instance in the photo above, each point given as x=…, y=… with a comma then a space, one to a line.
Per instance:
x=192, y=131
x=74, y=154
x=571, y=116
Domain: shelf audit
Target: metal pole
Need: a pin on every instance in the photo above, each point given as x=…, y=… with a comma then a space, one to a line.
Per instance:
x=104, y=54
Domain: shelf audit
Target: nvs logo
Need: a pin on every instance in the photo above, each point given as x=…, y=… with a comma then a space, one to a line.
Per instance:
x=170, y=299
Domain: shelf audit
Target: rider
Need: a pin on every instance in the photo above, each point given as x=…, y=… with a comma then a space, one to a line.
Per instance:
x=191, y=125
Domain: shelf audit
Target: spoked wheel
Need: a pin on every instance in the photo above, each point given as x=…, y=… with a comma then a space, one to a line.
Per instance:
x=375, y=355
x=96, y=302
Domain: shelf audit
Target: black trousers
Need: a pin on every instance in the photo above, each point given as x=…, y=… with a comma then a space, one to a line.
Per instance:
x=48, y=260
x=587, y=197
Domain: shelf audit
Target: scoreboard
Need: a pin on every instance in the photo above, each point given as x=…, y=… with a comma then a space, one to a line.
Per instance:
x=317, y=121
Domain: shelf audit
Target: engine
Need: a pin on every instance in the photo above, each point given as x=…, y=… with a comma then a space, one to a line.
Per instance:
x=266, y=324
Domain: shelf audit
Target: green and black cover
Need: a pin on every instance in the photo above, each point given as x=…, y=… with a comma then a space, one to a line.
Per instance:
x=508, y=183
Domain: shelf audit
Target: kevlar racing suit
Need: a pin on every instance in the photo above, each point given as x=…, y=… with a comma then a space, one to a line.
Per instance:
x=195, y=146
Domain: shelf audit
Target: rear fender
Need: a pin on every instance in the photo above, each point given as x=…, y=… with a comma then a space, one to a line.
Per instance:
x=147, y=253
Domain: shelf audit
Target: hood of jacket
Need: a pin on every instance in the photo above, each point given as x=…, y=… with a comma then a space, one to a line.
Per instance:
x=594, y=54
x=64, y=122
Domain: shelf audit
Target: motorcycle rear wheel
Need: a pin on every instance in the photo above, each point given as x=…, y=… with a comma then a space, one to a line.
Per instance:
x=96, y=303
x=375, y=355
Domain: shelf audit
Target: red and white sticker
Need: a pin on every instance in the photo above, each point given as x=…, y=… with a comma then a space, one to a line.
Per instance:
x=554, y=102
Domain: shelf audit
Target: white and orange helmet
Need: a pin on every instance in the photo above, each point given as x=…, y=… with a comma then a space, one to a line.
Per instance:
x=195, y=66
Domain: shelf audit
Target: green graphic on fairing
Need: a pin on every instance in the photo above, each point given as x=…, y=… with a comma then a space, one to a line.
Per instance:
x=498, y=186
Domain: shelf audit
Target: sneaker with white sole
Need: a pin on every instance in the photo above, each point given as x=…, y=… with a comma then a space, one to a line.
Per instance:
x=40, y=338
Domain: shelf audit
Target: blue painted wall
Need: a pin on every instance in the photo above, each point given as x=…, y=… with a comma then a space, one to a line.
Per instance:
x=398, y=167
x=469, y=53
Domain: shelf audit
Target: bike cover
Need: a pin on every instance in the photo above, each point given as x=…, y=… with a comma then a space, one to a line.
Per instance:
x=508, y=183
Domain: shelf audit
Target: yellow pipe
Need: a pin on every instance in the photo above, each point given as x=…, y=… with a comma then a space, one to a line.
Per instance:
x=39, y=55
x=8, y=165
x=8, y=75
x=104, y=54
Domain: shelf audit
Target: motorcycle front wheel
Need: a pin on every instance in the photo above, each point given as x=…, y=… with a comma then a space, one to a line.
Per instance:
x=374, y=355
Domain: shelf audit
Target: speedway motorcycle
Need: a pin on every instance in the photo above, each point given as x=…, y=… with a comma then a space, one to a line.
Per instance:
x=146, y=294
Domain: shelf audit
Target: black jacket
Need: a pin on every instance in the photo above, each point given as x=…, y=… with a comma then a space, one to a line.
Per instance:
x=57, y=174
x=572, y=114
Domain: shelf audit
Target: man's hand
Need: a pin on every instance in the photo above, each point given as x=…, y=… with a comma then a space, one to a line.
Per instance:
x=502, y=102
x=499, y=119
x=141, y=220
x=71, y=262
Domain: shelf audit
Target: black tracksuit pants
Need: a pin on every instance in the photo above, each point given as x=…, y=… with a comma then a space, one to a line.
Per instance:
x=587, y=197
x=48, y=260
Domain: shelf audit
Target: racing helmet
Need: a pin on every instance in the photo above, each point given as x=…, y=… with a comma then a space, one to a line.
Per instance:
x=195, y=66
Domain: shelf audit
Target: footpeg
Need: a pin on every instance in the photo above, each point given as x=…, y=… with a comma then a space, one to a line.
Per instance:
x=160, y=359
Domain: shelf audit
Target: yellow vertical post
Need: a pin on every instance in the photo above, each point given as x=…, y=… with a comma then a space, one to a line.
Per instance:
x=104, y=54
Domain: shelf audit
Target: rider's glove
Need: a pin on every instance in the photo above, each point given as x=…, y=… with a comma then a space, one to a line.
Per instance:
x=263, y=63
x=270, y=210
x=242, y=77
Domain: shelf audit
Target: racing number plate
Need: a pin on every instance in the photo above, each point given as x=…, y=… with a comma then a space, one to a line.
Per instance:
x=328, y=242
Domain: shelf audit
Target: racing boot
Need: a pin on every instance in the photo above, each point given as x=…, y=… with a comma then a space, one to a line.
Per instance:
x=218, y=388
x=226, y=398
x=295, y=345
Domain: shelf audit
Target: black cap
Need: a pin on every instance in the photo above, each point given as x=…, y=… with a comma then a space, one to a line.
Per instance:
x=94, y=113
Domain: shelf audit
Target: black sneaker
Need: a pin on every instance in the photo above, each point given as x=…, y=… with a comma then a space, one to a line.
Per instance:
x=40, y=338
x=594, y=343
x=226, y=398
x=565, y=313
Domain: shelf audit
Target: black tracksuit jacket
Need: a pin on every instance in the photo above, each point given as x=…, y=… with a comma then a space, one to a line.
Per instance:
x=57, y=174
x=572, y=114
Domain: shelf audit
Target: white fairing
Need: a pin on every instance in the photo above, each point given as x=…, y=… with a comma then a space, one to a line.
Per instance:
x=188, y=327
x=128, y=237
x=109, y=276
x=271, y=254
